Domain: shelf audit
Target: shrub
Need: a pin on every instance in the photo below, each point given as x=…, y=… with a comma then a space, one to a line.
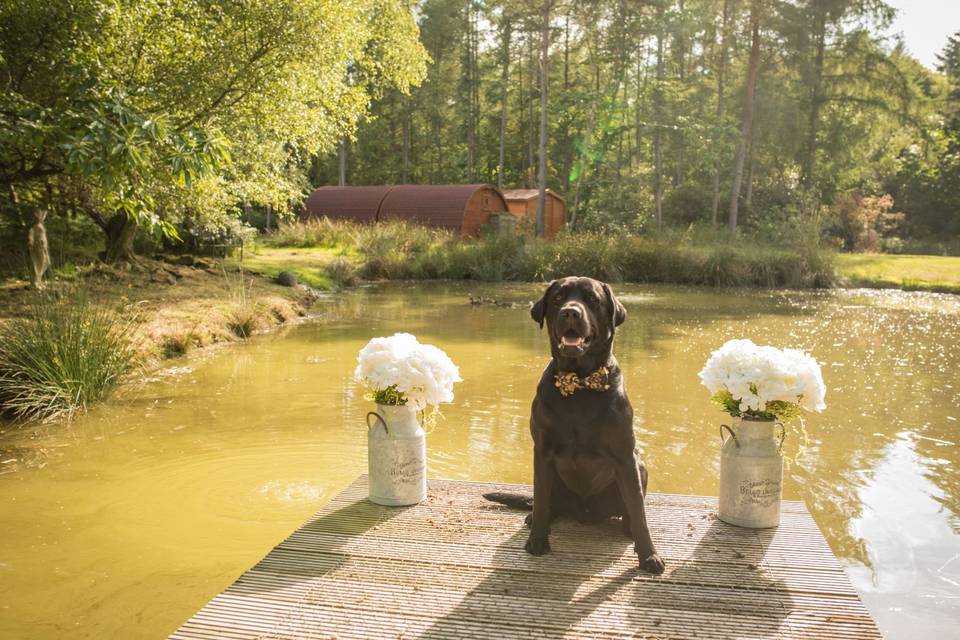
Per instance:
x=342, y=273
x=242, y=319
x=63, y=355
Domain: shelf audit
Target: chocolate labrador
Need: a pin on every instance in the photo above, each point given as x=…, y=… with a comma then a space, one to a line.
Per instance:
x=584, y=462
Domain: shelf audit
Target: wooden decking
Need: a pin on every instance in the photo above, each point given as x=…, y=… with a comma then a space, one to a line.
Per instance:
x=454, y=567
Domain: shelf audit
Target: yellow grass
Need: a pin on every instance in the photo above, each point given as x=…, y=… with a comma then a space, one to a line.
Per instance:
x=178, y=308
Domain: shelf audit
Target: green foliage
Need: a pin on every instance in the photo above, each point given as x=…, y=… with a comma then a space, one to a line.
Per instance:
x=126, y=111
x=773, y=410
x=388, y=396
x=62, y=356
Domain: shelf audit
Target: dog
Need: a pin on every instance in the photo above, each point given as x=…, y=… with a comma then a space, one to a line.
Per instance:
x=584, y=461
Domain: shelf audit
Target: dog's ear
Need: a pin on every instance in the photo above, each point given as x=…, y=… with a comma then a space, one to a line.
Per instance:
x=616, y=310
x=539, y=309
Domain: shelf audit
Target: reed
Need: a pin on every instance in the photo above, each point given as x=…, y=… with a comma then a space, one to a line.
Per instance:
x=397, y=250
x=62, y=355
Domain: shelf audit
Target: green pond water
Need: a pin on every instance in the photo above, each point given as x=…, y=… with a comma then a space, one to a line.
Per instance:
x=124, y=523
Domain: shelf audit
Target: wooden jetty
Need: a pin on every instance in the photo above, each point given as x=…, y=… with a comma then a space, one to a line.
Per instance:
x=454, y=567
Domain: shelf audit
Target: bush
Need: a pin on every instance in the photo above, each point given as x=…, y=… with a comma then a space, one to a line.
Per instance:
x=342, y=273
x=63, y=355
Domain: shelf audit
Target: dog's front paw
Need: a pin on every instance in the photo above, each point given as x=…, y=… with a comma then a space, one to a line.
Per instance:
x=537, y=545
x=652, y=564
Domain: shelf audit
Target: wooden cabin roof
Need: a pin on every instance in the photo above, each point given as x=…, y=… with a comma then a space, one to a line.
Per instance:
x=527, y=194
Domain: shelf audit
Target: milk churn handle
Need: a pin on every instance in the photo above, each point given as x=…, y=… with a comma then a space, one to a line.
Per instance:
x=732, y=435
x=379, y=419
x=783, y=436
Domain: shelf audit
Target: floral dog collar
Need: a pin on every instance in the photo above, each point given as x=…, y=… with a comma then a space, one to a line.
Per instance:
x=569, y=382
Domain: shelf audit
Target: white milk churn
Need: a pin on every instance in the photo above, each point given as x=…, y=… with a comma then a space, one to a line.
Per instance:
x=751, y=473
x=396, y=456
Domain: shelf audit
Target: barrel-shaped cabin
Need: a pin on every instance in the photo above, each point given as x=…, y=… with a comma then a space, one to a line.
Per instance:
x=523, y=204
x=460, y=207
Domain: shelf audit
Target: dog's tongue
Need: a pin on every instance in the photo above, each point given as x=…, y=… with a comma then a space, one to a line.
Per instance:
x=571, y=340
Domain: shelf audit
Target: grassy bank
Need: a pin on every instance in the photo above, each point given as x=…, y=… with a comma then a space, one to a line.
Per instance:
x=152, y=313
x=401, y=251
x=911, y=273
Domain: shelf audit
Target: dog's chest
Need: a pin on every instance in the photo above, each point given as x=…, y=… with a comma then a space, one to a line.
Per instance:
x=579, y=451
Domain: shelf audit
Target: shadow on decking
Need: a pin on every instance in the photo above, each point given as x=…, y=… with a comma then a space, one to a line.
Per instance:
x=722, y=587
x=723, y=581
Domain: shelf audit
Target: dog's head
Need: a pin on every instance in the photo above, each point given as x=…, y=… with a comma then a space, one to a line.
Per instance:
x=581, y=315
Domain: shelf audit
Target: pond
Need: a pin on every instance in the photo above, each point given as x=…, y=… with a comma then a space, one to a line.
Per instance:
x=127, y=521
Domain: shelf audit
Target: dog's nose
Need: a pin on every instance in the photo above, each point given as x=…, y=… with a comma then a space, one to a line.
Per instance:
x=572, y=312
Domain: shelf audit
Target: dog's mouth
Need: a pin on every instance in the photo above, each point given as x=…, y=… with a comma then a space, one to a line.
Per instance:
x=573, y=343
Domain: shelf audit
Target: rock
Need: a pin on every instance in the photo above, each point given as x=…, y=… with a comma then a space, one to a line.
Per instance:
x=287, y=279
x=187, y=261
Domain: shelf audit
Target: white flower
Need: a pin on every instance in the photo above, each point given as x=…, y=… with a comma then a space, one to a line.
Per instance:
x=422, y=372
x=755, y=375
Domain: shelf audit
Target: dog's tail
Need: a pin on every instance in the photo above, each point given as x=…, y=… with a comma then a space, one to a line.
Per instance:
x=512, y=500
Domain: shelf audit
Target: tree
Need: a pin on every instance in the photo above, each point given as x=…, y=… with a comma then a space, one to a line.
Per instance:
x=545, y=9
x=643, y=86
x=505, y=30
x=721, y=86
x=753, y=70
x=142, y=103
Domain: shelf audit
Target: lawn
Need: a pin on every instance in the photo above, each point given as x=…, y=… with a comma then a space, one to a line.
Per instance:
x=308, y=264
x=923, y=273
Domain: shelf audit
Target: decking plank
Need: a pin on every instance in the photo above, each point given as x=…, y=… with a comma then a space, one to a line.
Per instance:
x=454, y=567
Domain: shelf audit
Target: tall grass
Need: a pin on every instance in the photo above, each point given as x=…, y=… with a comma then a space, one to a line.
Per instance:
x=401, y=250
x=242, y=311
x=63, y=355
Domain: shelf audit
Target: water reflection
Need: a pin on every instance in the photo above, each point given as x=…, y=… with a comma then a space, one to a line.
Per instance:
x=126, y=522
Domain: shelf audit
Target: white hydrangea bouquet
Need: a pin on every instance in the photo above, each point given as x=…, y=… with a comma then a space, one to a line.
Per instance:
x=404, y=377
x=763, y=387
x=763, y=382
x=399, y=370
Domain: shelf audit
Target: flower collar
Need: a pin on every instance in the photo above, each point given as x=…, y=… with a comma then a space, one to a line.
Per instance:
x=568, y=383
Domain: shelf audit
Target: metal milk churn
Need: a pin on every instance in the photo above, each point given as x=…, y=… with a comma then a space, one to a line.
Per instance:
x=396, y=456
x=751, y=473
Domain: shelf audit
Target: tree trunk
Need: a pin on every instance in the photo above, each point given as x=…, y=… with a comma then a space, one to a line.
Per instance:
x=721, y=71
x=469, y=81
x=530, y=126
x=120, y=231
x=753, y=69
x=658, y=126
x=39, y=248
x=748, y=197
x=816, y=98
x=343, y=162
x=641, y=102
x=405, y=167
x=505, y=79
x=681, y=55
x=544, y=86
